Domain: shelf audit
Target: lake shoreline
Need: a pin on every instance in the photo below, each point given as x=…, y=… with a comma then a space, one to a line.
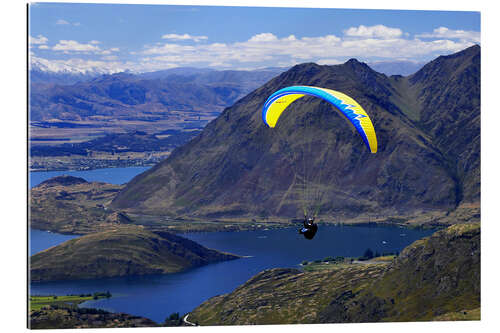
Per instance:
x=111, y=166
x=157, y=296
x=191, y=228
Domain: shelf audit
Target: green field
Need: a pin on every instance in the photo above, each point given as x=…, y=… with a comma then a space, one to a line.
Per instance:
x=38, y=302
x=341, y=262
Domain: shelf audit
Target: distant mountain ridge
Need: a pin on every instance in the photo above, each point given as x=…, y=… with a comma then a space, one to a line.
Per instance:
x=147, y=96
x=427, y=126
x=403, y=68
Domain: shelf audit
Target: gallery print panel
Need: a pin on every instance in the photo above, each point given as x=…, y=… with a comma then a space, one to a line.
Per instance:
x=224, y=165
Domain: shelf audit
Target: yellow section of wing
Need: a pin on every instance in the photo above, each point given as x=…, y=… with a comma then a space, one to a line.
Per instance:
x=278, y=106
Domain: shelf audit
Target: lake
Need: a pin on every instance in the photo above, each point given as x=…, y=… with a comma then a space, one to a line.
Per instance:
x=40, y=240
x=108, y=175
x=157, y=296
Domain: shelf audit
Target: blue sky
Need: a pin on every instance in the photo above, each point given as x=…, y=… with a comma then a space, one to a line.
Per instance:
x=112, y=38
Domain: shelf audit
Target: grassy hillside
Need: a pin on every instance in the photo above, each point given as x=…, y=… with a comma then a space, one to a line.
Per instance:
x=436, y=278
x=67, y=204
x=124, y=250
x=71, y=205
x=284, y=296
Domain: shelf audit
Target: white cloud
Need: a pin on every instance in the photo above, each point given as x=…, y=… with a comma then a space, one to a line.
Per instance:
x=109, y=51
x=264, y=37
x=38, y=40
x=382, y=43
x=74, y=46
x=169, y=49
x=375, y=31
x=219, y=64
x=110, y=57
x=64, y=22
x=373, y=43
x=43, y=47
x=184, y=37
x=443, y=32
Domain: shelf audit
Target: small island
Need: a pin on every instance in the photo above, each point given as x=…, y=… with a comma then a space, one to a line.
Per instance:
x=122, y=251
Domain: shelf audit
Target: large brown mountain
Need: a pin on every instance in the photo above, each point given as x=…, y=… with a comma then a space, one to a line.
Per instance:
x=428, y=159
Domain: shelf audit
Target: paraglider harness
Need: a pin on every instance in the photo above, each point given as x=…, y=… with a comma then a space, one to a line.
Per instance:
x=310, y=228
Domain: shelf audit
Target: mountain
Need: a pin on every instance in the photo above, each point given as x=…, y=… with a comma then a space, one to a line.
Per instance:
x=435, y=278
x=403, y=68
x=455, y=130
x=42, y=71
x=61, y=78
x=123, y=97
x=125, y=250
x=149, y=96
x=428, y=133
x=176, y=71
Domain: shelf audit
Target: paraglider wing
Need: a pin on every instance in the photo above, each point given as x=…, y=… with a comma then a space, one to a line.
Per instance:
x=281, y=99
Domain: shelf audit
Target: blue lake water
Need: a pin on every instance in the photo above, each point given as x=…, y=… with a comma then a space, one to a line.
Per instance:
x=157, y=296
x=40, y=240
x=108, y=175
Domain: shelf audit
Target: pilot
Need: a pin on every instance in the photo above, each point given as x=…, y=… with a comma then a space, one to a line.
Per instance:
x=310, y=228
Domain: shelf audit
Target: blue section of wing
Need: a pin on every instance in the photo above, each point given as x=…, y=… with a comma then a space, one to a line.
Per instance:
x=344, y=108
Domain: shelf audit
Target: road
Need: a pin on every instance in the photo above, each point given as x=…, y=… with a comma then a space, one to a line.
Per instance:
x=185, y=319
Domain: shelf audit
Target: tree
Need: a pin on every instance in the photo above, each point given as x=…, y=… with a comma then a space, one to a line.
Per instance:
x=173, y=320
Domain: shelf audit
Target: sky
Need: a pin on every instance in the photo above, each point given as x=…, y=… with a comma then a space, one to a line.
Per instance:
x=143, y=38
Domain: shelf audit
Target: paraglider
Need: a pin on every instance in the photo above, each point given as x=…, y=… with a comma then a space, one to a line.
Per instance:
x=278, y=102
x=310, y=228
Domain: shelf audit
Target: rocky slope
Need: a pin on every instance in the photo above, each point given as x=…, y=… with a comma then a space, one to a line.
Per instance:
x=430, y=278
x=435, y=278
x=427, y=127
x=125, y=250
